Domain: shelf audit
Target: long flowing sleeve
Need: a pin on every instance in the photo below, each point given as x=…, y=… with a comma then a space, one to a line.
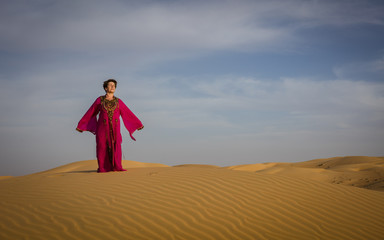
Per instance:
x=131, y=122
x=89, y=122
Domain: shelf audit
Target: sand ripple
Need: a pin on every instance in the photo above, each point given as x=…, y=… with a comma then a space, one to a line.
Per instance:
x=184, y=202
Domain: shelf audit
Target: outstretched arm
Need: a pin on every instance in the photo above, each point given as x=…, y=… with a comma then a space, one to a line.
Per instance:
x=89, y=122
x=131, y=122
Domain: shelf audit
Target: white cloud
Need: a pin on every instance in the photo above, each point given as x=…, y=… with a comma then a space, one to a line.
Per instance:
x=320, y=105
x=335, y=13
x=248, y=118
x=361, y=70
x=130, y=27
x=158, y=28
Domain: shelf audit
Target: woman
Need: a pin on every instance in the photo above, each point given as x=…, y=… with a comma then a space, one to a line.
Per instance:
x=107, y=127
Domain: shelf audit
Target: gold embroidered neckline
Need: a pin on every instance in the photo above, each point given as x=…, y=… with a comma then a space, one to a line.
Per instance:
x=109, y=105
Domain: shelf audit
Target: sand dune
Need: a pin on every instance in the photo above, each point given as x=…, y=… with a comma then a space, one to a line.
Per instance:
x=364, y=172
x=4, y=177
x=154, y=201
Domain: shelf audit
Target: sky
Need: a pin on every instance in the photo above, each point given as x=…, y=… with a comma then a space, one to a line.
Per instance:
x=224, y=82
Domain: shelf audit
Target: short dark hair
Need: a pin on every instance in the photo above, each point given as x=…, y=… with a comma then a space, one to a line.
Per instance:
x=105, y=84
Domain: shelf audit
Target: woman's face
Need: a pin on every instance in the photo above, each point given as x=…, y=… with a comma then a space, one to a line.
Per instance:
x=110, y=87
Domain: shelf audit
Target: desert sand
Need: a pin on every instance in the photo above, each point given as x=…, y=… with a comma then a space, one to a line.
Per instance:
x=336, y=198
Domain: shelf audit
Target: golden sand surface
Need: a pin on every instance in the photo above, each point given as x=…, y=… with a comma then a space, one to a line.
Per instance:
x=4, y=177
x=336, y=198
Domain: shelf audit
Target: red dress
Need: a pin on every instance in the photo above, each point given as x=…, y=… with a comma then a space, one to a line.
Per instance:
x=107, y=130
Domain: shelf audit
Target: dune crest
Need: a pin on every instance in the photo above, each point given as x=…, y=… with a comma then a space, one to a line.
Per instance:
x=151, y=201
x=5, y=177
x=357, y=171
x=91, y=166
